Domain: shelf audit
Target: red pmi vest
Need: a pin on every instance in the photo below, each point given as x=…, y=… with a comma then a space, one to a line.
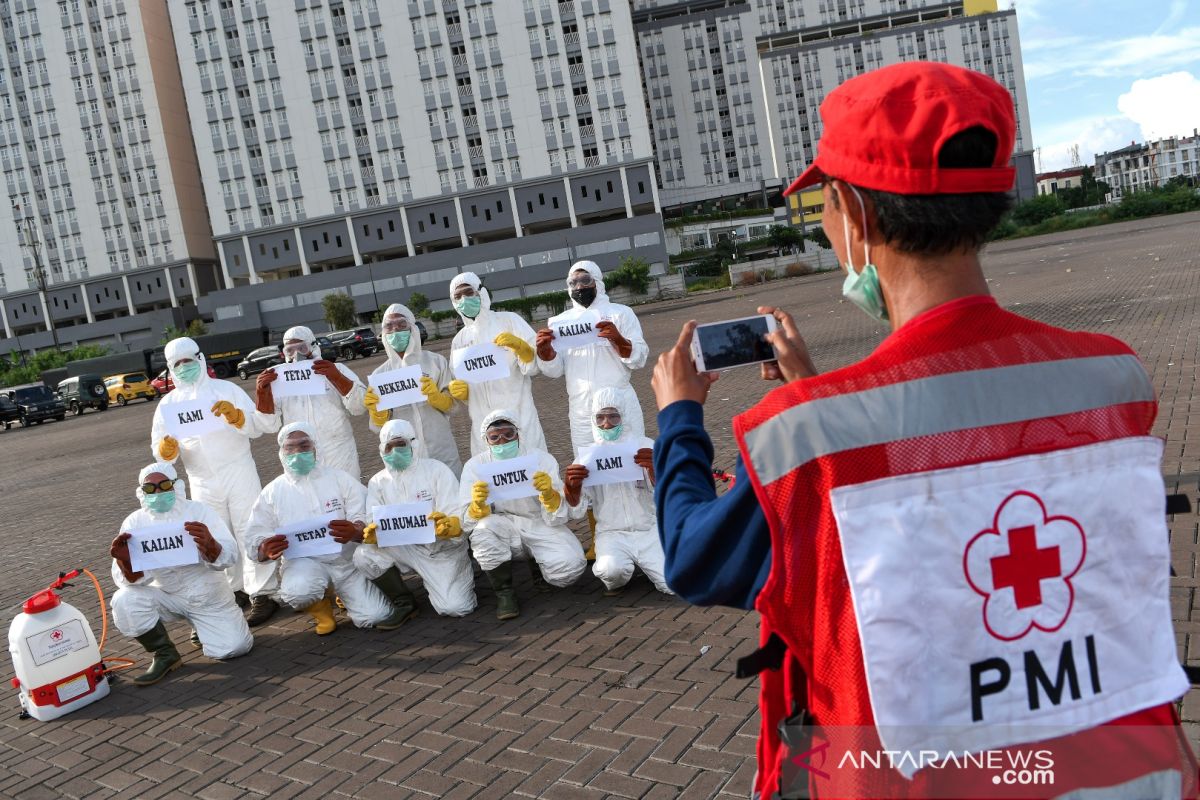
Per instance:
x=963, y=387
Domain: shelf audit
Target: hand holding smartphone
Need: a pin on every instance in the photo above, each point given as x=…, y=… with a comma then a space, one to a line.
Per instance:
x=719, y=346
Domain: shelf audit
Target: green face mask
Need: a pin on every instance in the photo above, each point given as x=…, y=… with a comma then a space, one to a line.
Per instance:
x=399, y=458
x=188, y=373
x=399, y=341
x=159, y=502
x=506, y=450
x=300, y=463
x=468, y=306
x=611, y=434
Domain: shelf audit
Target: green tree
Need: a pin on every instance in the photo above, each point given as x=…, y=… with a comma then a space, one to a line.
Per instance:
x=817, y=235
x=339, y=310
x=784, y=237
x=1037, y=209
x=418, y=304
x=632, y=272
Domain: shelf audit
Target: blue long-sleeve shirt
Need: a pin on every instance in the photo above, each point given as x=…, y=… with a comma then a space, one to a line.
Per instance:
x=718, y=549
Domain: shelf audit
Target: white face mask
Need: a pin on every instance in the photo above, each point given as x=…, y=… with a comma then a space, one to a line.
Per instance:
x=863, y=288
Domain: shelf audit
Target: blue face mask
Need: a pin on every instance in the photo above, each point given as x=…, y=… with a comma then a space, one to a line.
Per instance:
x=188, y=373
x=159, y=502
x=862, y=288
x=506, y=450
x=399, y=341
x=469, y=306
x=399, y=458
x=300, y=463
x=610, y=434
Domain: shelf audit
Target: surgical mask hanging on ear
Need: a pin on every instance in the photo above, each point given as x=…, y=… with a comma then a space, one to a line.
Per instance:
x=863, y=288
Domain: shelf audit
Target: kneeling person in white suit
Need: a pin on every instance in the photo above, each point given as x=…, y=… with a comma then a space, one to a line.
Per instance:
x=308, y=490
x=444, y=565
x=198, y=593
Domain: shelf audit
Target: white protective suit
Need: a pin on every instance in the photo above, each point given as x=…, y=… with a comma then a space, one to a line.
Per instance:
x=444, y=566
x=597, y=366
x=293, y=498
x=515, y=391
x=521, y=528
x=328, y=414
x=626, y=524
x=432, y=426
x=220, y=467
x=198, y=593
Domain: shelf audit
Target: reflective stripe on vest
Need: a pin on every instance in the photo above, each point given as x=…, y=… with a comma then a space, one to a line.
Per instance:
x=945, y=403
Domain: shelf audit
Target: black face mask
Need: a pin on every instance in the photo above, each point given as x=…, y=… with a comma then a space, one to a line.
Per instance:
x=584, y=296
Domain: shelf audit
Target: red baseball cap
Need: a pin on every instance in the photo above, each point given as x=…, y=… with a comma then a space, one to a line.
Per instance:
x=883, y=130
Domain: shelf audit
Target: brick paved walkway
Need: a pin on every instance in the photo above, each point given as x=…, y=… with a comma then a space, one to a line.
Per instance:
x=583, y=696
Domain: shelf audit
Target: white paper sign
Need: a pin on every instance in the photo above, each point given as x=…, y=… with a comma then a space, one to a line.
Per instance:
x=298, y=379
x=509, y=479
x=397, y=387
x=611, y=463
x=576, y=332
x=480, y=363
x=310, y=537
x=190, y=418
x=164, y=545
x=404, y=523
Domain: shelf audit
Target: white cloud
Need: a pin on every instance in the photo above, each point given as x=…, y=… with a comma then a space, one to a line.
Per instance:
x=1168, y=105
x=1092, y=134
x=1113, y=58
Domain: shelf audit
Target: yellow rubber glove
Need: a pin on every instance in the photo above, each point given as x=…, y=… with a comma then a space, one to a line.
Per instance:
x=459, y=390
x=371, y=401
x=547, y=494
x=519, y=346
x=168, y=448
x=478, y=509
x=436, y=397
x=369, y=534
x=232, y=414
x=445, y=527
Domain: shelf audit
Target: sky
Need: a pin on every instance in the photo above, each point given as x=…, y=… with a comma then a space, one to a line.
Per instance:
x=1104, y=73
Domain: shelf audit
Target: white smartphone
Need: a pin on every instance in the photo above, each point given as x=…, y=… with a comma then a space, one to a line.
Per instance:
x=734, y=343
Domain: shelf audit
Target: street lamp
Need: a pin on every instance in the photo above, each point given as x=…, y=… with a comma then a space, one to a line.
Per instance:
x=29, y=238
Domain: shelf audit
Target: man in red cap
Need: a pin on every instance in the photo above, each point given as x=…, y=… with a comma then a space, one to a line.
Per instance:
x=957, y=545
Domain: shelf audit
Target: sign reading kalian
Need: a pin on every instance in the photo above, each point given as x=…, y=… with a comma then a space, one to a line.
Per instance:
x=310, y=537
x=190, y=418
x=509, y=479
x=577, y=332
x=611, y=463
x=163, y=545
x=480, y=363
x=404, y=523
x=397, y=387
x=298, y=379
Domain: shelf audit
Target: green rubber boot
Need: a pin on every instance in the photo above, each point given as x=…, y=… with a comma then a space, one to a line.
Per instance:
x=506, y=597
x=166, y=658
x=392, y=584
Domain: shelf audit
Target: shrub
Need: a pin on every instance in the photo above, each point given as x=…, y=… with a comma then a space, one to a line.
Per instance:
x=633, y=273
x=1037, y=209
x=418, y=304
x=719, y=282
x=798, y=269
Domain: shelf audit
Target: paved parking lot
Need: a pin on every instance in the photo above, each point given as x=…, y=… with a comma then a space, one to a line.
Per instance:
x=581, y=697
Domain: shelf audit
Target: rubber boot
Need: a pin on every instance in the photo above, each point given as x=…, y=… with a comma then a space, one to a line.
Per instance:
x=322, y=612
x=262, y=608
x=166, y=658
x=506, y=598
x=590, y=553
x=540, y=585
x=241, y=598
x=392, y=584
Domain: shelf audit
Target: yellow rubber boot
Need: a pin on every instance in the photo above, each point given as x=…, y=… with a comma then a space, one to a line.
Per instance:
x=590, y=555
x=322, y=612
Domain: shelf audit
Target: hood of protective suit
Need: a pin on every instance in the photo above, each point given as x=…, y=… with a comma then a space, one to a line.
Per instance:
x=166, y=469
x=593, y=269
x=290, y=428
x=185, y=347
x=414, y=341
x=610, y=397
x=485, y=299
x=496, y=416
x=305, y=335
x=401, y=428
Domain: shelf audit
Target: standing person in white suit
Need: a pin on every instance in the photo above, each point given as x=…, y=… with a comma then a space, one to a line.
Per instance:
x=626, y=524
x=219, y=464
x=402, y=342
x=508, y=330
x=444, y=565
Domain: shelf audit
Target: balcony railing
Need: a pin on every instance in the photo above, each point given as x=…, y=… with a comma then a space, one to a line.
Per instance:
x=475, y=152
x=454, y=29
x=591, y=161
x=481, y=182
x=571, y=38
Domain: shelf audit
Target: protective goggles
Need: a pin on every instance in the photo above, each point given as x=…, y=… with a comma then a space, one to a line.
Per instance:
x=392, y=444
x=299, y=348
x=395, y=324
x=611, y=417
x=581, y=281
x=500, y=434
x=164, y=485
x=297, y=446
x=465, y=290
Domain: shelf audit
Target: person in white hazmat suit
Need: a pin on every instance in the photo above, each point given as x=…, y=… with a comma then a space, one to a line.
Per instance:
x=307, y=490
x=510, y=331
x=198, y=593
x=220, y=467
x=530, y=527
x=402, y=342
x=626, y=524
x=445, y=564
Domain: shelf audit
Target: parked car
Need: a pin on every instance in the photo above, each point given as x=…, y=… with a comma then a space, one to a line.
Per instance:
x=259, y=360
x=38, y=404
x=10, y=412
x=130, y=385
x=329, y=352
x=354, y=343
x=82, y=392
x=162, y=382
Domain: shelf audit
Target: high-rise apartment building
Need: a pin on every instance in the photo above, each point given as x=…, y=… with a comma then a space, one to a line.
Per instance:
x=1149, y=165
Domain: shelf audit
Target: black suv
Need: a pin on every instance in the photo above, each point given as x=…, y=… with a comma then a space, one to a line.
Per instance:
x=38, y=404
x=9, y=412
x=354, y=343
x=259, y=360
x=83, y=391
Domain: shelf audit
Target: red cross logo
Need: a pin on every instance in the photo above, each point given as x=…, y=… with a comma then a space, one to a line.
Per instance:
x=56, y=635
x=1023, y=565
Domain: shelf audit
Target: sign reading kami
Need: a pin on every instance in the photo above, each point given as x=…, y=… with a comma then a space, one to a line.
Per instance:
x=577, y=332
x=398, y=387
x=298, y=379
x=611, y=463
x=509, y=479
x=191, y=418
x=310, y=537
x=404, y=523
x=164, y=545
x=480, y=363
